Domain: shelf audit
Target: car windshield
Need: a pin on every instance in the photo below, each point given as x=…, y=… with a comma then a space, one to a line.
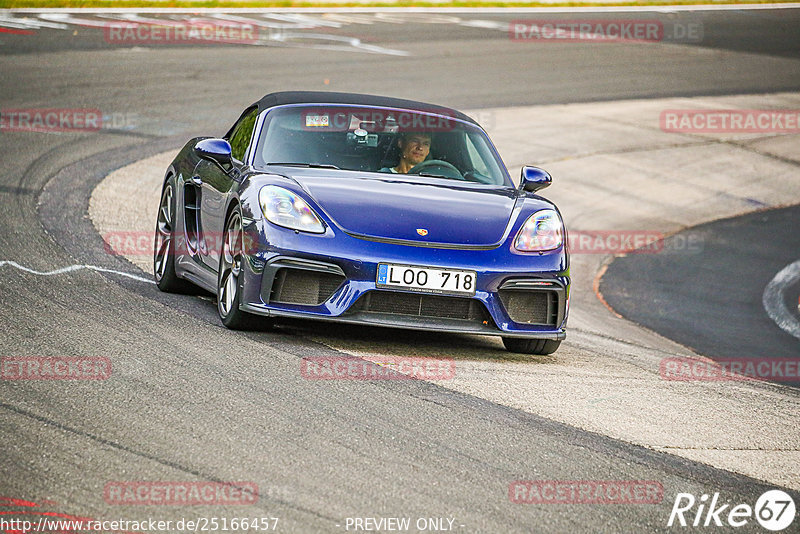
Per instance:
x=377, y=139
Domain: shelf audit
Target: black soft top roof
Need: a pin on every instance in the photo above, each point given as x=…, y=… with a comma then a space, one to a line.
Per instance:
x=325, y=97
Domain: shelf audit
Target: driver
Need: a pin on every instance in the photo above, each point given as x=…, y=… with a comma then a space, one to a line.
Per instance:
x=414, y=148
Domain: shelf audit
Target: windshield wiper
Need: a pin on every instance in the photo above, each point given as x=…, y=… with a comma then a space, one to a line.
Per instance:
x=309, y=165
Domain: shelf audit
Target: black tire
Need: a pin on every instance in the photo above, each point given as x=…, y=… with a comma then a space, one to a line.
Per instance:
x=539, y=347
x=229, y=278
x=164, y=250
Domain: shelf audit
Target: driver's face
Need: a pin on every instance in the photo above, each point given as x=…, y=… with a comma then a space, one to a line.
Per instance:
x=415, y=148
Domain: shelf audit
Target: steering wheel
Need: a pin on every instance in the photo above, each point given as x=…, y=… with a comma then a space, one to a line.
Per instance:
x=442, y=167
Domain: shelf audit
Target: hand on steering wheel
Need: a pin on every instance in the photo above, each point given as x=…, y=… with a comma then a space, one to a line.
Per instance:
x=444, y=165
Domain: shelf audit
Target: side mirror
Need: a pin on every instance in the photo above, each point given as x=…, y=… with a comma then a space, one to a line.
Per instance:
x=216, y=150
x=533, y=178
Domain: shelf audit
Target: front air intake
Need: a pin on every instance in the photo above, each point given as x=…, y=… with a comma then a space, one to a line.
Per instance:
x=421, y=305
x=304, y=287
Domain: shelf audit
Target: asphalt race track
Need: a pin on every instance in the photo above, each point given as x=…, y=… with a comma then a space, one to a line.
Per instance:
x=706, y=301
x=189, y=400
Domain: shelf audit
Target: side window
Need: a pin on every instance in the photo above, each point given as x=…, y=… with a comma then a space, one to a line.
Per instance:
x=241, y=134
x=474, y=155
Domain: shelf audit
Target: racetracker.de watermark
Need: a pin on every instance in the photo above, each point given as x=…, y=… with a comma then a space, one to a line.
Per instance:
x=126, y=33
x=51, y=120
x=730, y=121
x=64, y=120
x=55, y=368
x=144, y=244
x=374, y=120
x=586, y=492
x=603, y=31
x=633, y=242
x=389, y=368
x=171, y=493
x=725, y=369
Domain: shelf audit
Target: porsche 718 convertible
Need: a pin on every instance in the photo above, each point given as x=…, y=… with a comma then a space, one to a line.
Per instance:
x=367, y=210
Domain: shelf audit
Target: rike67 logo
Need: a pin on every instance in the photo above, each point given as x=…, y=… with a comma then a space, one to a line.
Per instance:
x=774, y=510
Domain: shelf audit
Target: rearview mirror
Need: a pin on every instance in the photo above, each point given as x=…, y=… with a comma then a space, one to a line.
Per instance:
x=533, y=178
x=217, y=150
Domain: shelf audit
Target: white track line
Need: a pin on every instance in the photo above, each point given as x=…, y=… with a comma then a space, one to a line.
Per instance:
x=271, y=24
x=66, y=18
x=774, y=302
x=28, y=23
x=503, y=10
x=349, y=44
x=320, y=41
x=72, y=268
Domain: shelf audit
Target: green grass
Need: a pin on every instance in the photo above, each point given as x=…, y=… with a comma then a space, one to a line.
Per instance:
x=344, y=3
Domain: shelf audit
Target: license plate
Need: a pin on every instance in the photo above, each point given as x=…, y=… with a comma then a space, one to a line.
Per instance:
x=427, y=279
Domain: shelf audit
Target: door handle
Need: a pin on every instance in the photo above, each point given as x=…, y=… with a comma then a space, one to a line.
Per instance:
x=196, y=180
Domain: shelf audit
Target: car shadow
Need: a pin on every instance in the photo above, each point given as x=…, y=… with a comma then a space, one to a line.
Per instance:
x=375, y=340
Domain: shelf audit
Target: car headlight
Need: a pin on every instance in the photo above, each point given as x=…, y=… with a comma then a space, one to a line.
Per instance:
x=542, y=231
x=284, y=208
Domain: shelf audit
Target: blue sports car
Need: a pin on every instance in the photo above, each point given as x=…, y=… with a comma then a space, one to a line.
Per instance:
x=367, y=210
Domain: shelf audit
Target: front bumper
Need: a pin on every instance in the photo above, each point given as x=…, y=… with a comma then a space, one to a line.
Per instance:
x=332, y=277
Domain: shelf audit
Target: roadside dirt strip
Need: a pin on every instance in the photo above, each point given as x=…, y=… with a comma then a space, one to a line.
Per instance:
x=615, y=168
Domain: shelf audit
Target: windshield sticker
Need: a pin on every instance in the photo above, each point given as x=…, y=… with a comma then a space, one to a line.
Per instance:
x=317, y=121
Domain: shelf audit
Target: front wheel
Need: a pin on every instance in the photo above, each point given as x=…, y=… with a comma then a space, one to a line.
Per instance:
x=228, y=280
x=539, y=347
x=164, y=250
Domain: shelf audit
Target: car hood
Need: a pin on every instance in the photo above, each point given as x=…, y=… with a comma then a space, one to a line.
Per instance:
x=410, y=208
